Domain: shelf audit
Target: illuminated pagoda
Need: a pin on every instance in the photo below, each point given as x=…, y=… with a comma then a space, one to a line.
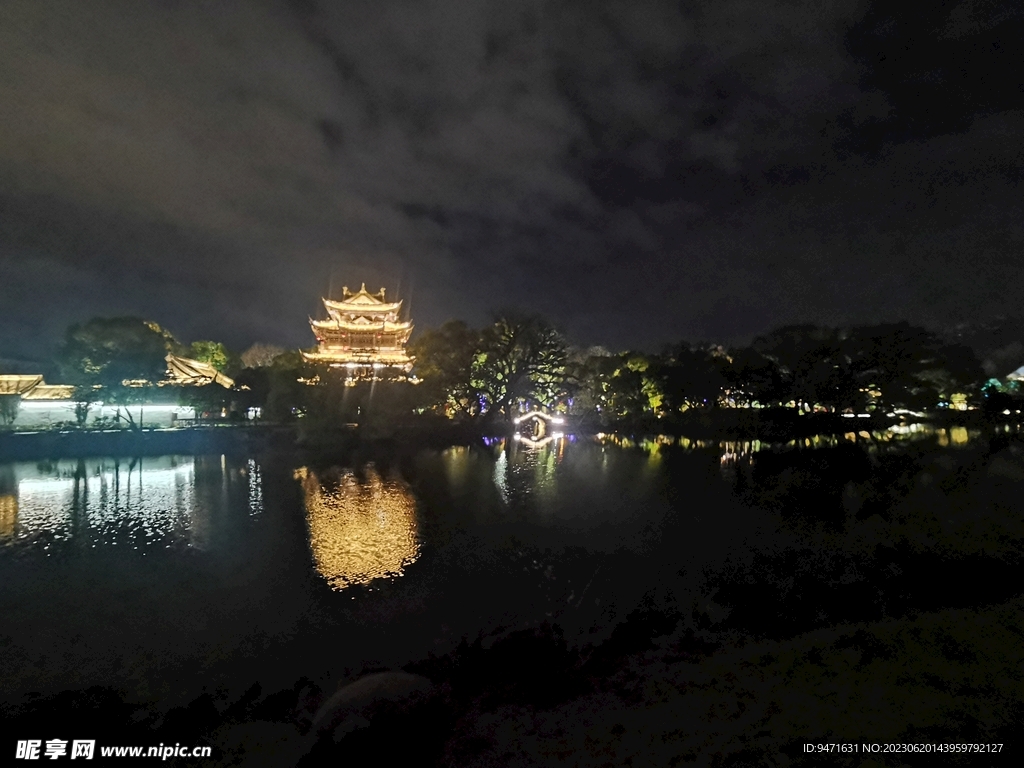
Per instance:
x=363, y=333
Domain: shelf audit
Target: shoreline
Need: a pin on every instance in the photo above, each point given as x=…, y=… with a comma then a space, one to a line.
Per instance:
x=37, y=445
x=724, y=425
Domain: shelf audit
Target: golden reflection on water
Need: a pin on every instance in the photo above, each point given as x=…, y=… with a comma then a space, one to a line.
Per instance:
x=8, y=514
x=359, y=530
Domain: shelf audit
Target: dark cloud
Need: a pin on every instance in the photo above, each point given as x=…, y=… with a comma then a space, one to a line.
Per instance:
x=642, y=172
x=939, y=65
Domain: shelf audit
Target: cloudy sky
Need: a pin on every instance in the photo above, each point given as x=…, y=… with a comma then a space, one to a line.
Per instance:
x=640, y=171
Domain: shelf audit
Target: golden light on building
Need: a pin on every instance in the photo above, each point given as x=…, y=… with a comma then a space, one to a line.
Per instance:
x=359, y=530
x=8, y=514
x=364, y=334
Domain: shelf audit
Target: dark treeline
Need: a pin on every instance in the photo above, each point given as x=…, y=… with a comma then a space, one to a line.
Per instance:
x=521, y=362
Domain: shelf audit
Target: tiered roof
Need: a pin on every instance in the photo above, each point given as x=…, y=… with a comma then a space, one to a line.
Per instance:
x=362, y=302
x=363, y=329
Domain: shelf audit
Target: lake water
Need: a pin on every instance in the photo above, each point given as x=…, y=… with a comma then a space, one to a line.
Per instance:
x=166, y=575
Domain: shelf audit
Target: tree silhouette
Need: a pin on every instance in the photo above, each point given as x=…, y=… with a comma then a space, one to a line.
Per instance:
x=444, y=361
x=519, y=358
x=118, y=359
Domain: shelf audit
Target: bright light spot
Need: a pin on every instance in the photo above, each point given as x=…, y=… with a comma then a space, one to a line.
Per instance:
x=359, y=531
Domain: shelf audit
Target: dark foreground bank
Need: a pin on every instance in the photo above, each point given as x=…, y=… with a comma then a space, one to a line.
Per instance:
x=651, y=695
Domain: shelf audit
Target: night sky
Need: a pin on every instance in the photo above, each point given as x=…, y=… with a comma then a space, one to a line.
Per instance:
x=640, y=172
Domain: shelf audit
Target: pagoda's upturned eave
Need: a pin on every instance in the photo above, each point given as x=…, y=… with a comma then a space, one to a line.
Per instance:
x=349, y=349
x=346, y=336
x=378, y=326
x=329, y=350
x=397, y=359
x=362, y=333
x=360, y=308
x=384, y=345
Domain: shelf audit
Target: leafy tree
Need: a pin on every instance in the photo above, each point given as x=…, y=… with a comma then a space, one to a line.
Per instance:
x=444, y=361
x=826, y=376
x=118, y=358
x=253, y=387
x=691, y=377
x=815, y=364
x=325, y=406
x=288, y=393
x=999, y=398
x=109, y=351
x=212, y=352
x=911, y=366
x=754, y=378
x=631, y=392
x=519, y=358
x=84, y=396
x=261, y=355
x=205, y=399
x=614, y=388
x=588, y=377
